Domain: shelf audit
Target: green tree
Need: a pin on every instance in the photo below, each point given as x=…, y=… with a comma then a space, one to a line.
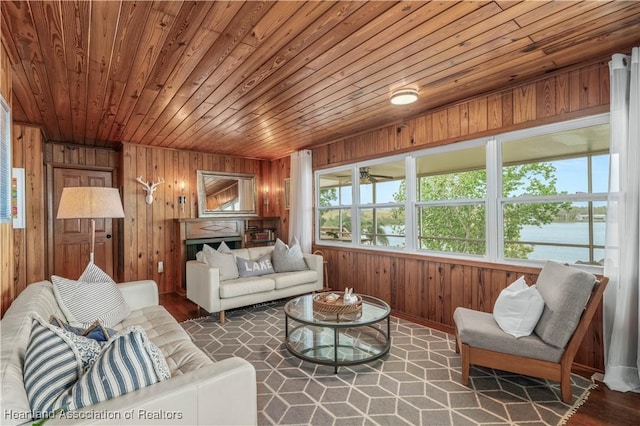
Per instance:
x=328, y=196
x=462, y=229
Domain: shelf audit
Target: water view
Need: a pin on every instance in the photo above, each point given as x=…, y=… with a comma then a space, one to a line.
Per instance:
x=564, y=233
x=554, y=233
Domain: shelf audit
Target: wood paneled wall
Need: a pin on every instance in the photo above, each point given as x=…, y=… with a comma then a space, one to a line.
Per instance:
x=148, y=234
x=30, y=244
x=576, y=93
x=275, y=173
x=22, y=250
x=428, y=289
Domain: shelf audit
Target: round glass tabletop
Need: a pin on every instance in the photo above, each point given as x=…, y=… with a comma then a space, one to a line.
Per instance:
x=301, y=309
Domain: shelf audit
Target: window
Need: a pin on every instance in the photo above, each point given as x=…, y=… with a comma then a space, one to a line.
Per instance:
x=451, y=201
x=554, y=192
x=382, y=203
x=334, y=206
x=5, y=162
x=527, y=196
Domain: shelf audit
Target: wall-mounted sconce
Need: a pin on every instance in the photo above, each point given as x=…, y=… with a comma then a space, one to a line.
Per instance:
x=150, y=188
x=182, y=199
x=265, y=200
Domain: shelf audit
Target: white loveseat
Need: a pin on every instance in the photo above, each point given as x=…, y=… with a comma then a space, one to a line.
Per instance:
x=205, y=288
x=199, y=391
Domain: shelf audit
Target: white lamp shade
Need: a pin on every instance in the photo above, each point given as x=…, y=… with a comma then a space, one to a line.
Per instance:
x=85, y=202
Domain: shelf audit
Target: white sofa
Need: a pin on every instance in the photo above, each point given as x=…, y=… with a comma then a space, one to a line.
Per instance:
x=205, y=288
x=200, y=391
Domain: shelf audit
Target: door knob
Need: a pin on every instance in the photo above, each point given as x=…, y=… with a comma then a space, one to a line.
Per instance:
x=108, y=235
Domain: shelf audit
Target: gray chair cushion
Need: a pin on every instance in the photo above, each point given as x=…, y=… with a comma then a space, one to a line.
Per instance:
x=479, y=330
x=565, y=291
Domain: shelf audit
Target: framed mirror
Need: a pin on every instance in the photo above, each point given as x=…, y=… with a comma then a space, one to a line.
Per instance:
x=226, y=194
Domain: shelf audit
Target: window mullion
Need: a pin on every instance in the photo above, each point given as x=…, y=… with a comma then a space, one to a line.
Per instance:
x=410, y=227
x=355, y=206
x=493, y=215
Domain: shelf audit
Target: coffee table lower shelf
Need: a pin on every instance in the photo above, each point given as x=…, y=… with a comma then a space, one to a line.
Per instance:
x=336, y=346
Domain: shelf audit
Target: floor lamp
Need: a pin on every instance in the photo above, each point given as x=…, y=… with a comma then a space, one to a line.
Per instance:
x=88, y=202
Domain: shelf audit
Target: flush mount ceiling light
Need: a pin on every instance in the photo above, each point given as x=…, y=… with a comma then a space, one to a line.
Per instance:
x=404, y=96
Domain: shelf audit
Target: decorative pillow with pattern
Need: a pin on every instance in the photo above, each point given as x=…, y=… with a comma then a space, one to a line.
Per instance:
x=95, y=296
x=129, y=361
x=252, y=268
x=54, y=360
x=96, y=331
x=288, y=259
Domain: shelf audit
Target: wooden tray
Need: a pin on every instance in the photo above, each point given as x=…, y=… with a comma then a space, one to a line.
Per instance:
x=336, y=307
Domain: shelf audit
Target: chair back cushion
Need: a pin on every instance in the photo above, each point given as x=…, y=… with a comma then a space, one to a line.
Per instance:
x=565, y=291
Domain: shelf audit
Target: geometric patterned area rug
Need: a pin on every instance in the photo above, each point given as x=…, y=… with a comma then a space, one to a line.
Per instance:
x=416, y=383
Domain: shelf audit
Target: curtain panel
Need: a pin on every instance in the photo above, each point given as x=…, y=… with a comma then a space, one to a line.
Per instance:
x=301, y=208
x=622, y=253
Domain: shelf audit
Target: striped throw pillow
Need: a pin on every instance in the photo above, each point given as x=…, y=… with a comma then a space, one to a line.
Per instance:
x=51, y=366
x=93, y=274
x=129, y=361
x=95, y=296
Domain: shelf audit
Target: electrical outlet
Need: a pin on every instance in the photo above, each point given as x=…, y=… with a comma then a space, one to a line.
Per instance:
x=160, y=267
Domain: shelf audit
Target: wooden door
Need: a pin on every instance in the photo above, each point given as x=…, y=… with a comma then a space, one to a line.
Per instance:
x=72, y=237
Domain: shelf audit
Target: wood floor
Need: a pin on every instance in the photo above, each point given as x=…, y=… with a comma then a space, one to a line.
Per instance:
x=603, y=407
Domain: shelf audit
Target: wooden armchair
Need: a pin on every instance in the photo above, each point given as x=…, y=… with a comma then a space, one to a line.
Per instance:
x=571, y=298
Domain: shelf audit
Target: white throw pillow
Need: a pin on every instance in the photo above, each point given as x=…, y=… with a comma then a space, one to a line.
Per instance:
x=518, y=308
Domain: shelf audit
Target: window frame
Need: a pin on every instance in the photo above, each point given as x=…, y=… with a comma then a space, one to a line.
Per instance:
x=5, y=162
x=494, y=201
x=460, y=146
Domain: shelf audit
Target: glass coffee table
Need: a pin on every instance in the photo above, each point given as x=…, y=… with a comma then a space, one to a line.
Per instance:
x=337, y=339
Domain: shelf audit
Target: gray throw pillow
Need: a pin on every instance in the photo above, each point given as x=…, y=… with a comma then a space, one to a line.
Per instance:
x=226, y=264
x=565, y=291
x=287, y=259
x=252, y=268
x=222, y=248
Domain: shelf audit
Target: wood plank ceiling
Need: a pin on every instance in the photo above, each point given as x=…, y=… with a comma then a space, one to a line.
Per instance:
x=262, y=79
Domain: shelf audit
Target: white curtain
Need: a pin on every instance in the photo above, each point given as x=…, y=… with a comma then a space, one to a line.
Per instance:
x=301, y=206
x=622, y=255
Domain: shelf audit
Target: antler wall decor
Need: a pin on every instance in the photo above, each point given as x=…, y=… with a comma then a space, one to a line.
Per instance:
x=150, y=188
